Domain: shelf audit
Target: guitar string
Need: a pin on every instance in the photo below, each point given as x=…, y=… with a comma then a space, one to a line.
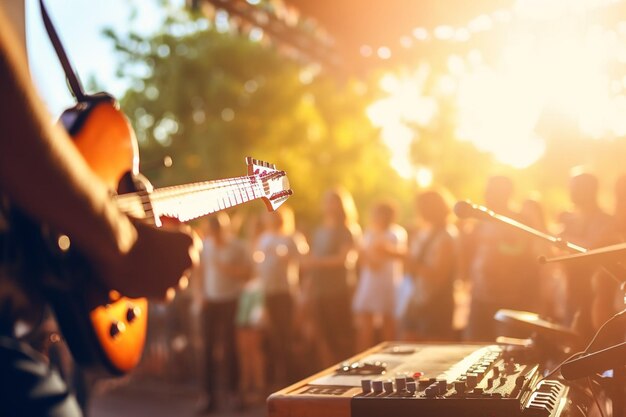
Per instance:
x=177, y=191
x=170, y=192
x=129, y=201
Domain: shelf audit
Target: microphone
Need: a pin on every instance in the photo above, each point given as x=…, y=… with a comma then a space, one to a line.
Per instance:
x=467, y=209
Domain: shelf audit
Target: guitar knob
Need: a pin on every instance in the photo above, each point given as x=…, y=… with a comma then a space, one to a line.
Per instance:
x=116, y=328
x=132, y=313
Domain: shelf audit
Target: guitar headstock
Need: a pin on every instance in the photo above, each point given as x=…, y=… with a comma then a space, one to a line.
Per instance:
x=275, y=185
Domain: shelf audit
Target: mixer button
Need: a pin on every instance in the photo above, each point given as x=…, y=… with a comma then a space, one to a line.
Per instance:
x=442, y=386
x=510, y=366
x=377, y=387
x=411, y=387
x=366, y=386
x=388, y=387
x=459, y=387
x=400, y=384
x=423, y=383
x=472, y=380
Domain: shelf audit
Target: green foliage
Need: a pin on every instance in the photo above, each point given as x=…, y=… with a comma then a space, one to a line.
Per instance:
x=207, y=99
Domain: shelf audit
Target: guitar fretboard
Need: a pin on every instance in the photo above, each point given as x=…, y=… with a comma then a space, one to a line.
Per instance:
x=190, y=201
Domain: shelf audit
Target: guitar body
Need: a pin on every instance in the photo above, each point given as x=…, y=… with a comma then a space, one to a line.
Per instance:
x=104, y=331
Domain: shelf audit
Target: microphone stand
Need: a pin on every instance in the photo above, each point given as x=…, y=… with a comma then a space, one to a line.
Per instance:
x=613, y=357
x=466, y=209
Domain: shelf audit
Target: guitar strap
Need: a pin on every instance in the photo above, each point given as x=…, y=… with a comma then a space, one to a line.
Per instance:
x=71, y=76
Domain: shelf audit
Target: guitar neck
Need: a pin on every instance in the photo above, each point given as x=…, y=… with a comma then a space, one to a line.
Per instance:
x=190, y=201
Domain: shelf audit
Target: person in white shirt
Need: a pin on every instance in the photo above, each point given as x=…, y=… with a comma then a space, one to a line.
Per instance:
x=380, y=274
x=225, y=266
x=277, y=256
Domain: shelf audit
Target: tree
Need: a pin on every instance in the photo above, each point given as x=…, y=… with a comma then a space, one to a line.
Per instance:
x=207, y=99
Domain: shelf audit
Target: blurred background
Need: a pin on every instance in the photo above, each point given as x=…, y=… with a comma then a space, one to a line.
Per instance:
x=385, y=98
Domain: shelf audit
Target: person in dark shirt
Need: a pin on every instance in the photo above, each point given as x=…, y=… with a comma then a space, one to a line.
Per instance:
x=327, y=267
x=43, y=175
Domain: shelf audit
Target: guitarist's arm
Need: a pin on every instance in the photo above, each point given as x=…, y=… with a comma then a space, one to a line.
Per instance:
x=42, y=173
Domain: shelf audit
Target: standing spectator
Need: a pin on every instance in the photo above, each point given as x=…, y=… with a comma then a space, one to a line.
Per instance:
x=249, y=321
x=431, y=263
x=328, y=266
x=550, y=298
x=380, y=274
x=497, y=259
x=277, y=254
x=589, y=294
x=225, y=266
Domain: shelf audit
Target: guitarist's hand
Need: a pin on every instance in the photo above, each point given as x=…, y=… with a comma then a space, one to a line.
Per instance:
x=156, y=262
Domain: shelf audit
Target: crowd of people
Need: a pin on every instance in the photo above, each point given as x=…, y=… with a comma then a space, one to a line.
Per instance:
x=282, y=305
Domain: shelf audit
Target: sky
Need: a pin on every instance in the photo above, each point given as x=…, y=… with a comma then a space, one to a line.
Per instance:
x=80, y=24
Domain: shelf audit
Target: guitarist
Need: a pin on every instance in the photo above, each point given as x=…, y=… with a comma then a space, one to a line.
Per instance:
x=44, y=176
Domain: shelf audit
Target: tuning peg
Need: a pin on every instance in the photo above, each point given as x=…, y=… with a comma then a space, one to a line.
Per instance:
x=249, y=160
x=281, y=194
x=273, y=166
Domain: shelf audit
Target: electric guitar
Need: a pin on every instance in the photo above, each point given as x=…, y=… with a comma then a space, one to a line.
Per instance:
x=106, y=331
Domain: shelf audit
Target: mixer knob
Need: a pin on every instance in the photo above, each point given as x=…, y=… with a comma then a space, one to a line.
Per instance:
x=490, y=383
x=377, y=387
x=132, y=312
x=510, y=366
x=472, y=380
x=366, y=386
x=431, y=391
x=496, y=372
x=400, y=384
x=459, y=387
x=502, y=380
x=116, y=329
x=388, y=387
x=442, y=386
x=519, y=381
x=423, y=383
x=411, y=387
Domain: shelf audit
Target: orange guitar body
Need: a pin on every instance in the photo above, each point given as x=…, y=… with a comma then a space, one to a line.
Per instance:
x=104, y=330
x=114, y=336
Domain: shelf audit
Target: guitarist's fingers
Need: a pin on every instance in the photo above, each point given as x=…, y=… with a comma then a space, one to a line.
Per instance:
x=157, y=262
x=171, y=222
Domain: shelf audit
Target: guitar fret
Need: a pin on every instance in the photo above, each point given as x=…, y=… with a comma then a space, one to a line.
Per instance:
x=190, y=201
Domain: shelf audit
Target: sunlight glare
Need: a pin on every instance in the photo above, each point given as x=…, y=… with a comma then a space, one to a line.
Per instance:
x=404, y=105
